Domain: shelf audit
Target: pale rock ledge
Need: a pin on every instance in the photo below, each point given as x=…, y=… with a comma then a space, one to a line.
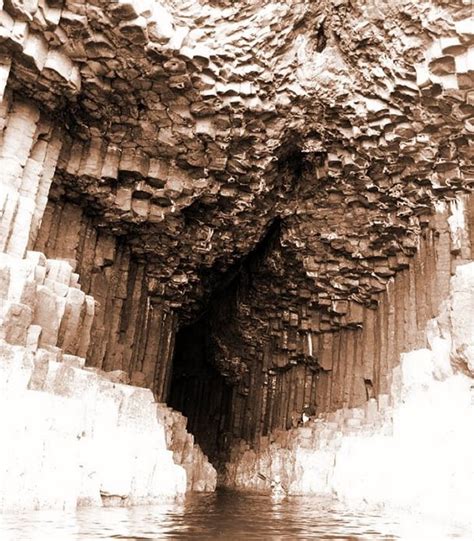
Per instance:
x=75, y=438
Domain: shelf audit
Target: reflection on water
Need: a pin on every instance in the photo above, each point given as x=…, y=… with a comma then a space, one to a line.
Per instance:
x=224, y=515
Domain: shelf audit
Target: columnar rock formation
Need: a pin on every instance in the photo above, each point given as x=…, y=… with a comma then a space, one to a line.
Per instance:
x=342, y=368
x=251, y=209
x=410, y=448
x=131, y=329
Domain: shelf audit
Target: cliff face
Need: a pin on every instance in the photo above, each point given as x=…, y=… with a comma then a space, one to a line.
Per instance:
x=230, y=196
x=409, y=448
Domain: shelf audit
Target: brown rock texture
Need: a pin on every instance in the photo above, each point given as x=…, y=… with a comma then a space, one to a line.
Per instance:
x=417, y=434
x=269, y=168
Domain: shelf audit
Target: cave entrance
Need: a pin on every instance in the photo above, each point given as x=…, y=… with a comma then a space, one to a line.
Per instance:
x=200, y=392
x=215, y=399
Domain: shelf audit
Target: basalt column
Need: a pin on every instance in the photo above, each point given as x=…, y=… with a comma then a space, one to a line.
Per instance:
x=245, y=370
x=132, y=332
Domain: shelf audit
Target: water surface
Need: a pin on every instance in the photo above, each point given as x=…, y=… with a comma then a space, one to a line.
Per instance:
x=225, y=515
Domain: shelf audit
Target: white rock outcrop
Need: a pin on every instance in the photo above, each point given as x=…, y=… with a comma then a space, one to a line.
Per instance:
x=72, y=438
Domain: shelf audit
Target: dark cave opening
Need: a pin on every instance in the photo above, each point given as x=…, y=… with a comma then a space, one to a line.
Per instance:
x=199, y=391
x=204, y=386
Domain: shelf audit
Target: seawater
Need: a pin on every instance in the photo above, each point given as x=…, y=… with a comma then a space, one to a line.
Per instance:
x=226, y=515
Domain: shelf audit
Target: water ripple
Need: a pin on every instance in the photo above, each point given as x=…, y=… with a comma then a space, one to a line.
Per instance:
x=225, y=515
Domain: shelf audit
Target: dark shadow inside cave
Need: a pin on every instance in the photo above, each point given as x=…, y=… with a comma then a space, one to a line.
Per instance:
x=199, y=391
x=206, y=384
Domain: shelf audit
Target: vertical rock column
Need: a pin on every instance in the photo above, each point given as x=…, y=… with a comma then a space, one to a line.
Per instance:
x=132, y=330
x=29, y=150
x=42, y=305
x=355, y=363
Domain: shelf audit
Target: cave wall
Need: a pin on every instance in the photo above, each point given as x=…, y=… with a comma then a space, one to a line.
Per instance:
x=132, y=330
x=76, y=435
x=347, y=367
x=406, y=451
x=398, y=324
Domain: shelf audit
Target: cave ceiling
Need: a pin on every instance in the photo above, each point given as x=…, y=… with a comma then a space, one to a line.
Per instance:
x=314, y=136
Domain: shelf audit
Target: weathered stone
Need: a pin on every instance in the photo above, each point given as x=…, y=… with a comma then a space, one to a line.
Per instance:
x=269, y=185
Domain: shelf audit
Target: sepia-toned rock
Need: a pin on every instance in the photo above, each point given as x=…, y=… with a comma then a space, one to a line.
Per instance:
x=235, y=239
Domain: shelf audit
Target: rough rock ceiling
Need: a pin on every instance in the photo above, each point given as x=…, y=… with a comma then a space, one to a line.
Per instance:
x=191, y=127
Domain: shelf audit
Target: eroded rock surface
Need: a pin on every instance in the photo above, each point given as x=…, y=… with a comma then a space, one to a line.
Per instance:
x=408, y=449
x=268, y=171
x=73, y=438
